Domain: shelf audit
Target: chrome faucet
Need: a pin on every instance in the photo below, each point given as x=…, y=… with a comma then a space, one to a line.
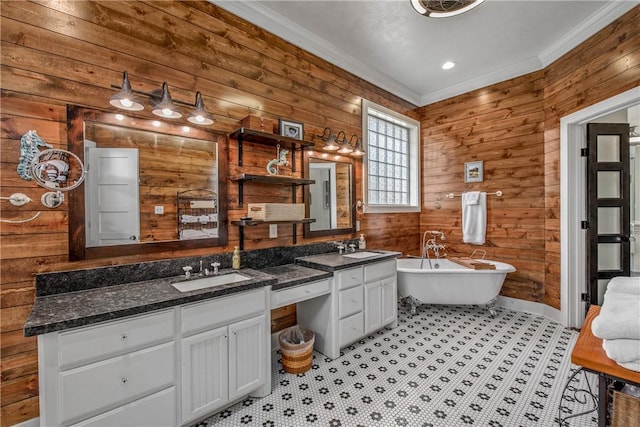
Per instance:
x=433, y=245
x=352, y=247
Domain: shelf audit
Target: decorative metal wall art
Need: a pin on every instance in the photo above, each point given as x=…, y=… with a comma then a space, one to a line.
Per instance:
x=273, y=165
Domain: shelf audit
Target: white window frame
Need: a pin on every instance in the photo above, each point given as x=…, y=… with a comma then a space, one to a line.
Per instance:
x=369, y=107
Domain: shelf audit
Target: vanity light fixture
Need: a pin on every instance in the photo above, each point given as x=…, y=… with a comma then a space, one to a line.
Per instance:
x=330, y=143
x=345, y=146
x=165, y=107
x=199, y=116
x=357, y=146
x=442, y=8
x=125, y=99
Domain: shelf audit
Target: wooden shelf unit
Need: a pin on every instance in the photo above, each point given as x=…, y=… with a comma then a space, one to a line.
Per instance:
x=257, y=137
x=249, y=135
x=269, y=179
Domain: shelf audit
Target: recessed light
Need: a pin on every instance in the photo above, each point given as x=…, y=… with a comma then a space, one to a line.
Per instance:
x=448, y=65
x=156, y=123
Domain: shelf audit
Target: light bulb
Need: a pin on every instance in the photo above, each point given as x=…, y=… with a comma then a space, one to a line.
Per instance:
x=167, y=112
x=126, y=102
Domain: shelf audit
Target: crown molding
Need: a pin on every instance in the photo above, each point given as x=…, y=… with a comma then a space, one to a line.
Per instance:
x=608, y=13
x=297, y=35
x=266, y=18
x=505, y=73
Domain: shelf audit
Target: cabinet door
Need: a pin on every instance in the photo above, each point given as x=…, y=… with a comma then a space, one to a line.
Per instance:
x=204, y=373
x=389, y=303
x=247, y=355
x=372, y=306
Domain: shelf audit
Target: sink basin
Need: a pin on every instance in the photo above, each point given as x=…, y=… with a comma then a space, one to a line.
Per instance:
x=361, y=255
x=209, y=282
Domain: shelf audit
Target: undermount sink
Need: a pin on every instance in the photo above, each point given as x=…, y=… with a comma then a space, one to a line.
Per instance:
x=361, y=255
x=209, y=282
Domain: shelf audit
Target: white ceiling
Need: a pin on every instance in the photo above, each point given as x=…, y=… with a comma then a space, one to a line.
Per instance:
x=390, y=45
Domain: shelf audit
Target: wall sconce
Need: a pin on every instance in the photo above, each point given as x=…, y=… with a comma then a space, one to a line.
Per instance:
x=199, y=116
x=329, y=139
x=163, y=105
x=357, y=146
x=125, y=99
x=345, y=146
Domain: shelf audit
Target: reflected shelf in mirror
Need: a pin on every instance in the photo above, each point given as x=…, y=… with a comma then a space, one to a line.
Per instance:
x=171, y=159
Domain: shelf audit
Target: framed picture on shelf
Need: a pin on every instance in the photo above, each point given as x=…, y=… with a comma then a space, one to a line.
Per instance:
x=291, y=129
x=474, y=171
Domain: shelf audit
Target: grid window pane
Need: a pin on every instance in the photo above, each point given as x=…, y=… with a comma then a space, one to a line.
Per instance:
x=388, y=162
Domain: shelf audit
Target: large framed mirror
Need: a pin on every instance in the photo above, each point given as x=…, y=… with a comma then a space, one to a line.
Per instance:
x=151, y=186
x=330, y=200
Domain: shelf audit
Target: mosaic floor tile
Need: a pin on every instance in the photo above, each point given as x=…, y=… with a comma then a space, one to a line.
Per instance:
x=445, y=366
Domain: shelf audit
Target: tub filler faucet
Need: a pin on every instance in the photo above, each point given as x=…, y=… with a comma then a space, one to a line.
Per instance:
x=432, y=245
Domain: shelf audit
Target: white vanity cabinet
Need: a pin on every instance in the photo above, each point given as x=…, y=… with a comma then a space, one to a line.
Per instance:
x=362, y=299
x=116, y=373
x=165, y=368
x=223, y=352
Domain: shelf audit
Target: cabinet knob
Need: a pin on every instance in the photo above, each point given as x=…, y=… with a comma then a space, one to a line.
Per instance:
x=308, y=291
x=123, y=336
x=124, y=379
x=354, y=301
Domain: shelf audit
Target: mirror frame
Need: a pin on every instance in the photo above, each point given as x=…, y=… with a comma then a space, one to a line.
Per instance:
x=76, y=117
x=332, y=231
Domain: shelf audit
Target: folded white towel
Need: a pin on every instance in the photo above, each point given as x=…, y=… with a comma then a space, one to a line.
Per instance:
x=188, y=219
x=471, y=197
x=629, y=285
x=474, y=217
x=622, y=350
x=619, y=317
x=633, y=366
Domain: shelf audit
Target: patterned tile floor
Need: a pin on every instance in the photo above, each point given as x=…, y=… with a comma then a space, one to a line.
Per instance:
x=446, y=366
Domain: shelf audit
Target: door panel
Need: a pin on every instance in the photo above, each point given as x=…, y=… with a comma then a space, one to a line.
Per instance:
x=608, y=203
x=112, y=181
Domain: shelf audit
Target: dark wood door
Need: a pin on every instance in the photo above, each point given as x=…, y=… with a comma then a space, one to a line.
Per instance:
x=608, y=200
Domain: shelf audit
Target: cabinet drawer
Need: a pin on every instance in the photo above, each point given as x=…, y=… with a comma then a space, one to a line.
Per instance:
x=109, y=383
x=350, y=301
x=157, y=410
x=107, y=340
x=351, y=329
x=349, y=278
x=209, y=314
x=380, y=270
x=298, y=293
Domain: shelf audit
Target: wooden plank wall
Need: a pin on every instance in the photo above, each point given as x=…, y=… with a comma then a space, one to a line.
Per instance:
x=502, y=125
x=603, y=66
x=514, y=126
x=60, y=52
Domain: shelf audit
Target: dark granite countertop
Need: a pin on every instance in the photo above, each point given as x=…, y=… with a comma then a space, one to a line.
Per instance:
x=289, y=275
x=335, y=261
x=72, y=309
x=83, y=297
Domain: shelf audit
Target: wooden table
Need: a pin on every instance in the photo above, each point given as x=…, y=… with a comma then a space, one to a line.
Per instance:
x=589, y=354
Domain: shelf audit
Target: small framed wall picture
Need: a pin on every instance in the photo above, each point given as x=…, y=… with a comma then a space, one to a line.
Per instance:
x=474, y=171
x=291, y=129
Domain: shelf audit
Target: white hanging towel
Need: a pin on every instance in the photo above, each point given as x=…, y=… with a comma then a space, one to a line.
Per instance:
x=474, y=217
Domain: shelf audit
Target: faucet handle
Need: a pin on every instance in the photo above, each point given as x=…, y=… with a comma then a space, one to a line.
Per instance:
x=352, y=247
x=187, y=270
x=215, y=266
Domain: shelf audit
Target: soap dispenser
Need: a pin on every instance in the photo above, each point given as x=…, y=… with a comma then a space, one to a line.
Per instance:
x=362, y=244
x=235, y=261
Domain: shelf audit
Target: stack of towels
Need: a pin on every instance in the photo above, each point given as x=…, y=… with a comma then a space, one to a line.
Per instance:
x=618, y=323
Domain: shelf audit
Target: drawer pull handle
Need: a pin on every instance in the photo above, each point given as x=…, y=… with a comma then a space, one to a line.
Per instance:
x=124, y=380
x=123, y=336
x=308, y=291
x=354, y=300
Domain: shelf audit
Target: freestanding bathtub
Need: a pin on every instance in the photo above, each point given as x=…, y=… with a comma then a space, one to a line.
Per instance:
x=449, y=283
